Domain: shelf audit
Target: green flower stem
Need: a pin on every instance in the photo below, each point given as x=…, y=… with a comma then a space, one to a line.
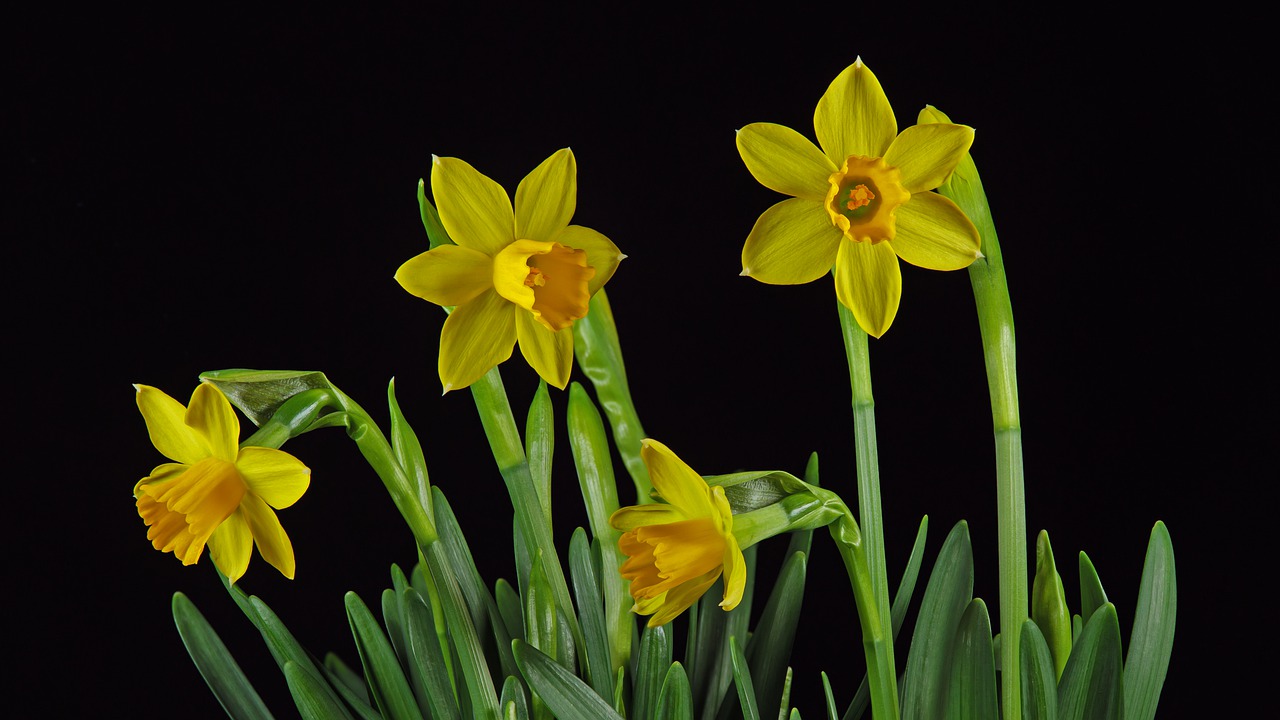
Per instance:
x=869, y=515
x=599, y=354
x=877, y=641
x=995, y=320
x=508, y=450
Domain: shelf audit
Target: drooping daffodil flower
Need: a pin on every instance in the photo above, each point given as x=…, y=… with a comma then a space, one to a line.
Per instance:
x=678, y=548
x=860, y=202
x=214, y=492
x=515, y=275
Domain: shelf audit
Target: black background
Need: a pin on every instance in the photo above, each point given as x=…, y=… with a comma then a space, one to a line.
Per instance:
x=196, y=192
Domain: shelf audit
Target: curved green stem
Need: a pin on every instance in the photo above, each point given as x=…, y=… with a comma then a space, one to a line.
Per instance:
x=995, y=320
x=869, y=515
x=877, y=644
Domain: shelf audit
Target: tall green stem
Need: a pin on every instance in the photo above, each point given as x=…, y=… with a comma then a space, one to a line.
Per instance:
x=877, y=645
x=995, y=320
x=870, y=518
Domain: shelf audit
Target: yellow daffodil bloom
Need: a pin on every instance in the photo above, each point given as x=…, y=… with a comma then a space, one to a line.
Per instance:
x=214, y=492
x=516, y=275
x=860, y=202
x=677, y=549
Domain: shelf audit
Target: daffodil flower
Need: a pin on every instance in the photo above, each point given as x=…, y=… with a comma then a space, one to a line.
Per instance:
x=522, y=275
x=214, y=492
x=677, y=549
x=860, y=202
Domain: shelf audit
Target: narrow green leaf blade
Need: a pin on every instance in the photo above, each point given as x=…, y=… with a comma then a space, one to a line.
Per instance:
x=567, y=696
x=387, y=683
x=742, y=680
x=1151, y=642
x=972, y=694
x=675, y=702
x=1092, y=684
x=590, y=601
x=1038, y=677
x=312, y=696
x=651, y=670
x=212, y=659
x=947, y=595
x=427, y=663
x=513, y=700
x=1092, y=596
x=769, y=649
x=539, y=445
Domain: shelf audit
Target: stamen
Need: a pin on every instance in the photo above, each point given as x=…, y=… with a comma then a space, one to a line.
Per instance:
x=859, y=196
x=535, y=278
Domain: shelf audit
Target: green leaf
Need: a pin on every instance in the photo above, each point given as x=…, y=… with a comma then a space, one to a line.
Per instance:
x=509, y=607
x=348, y=683
x=259, y=393
x=947, y=595
x=313, y=697
x=1039, y=678
x=408, y=451
x=539, y=445
x=436, y=234
x=830, y=698
x=769, y=649
x=540, y=618
x=1151, y=642
x=214, y=661
x=486, y=618
x=675, y=702
x=972, y=693
x=427, y=664
x=590, y=602
x=387, y=683
x=1049, y=605
x=711, y=678
x=513, y=700
x=1092, y=686
x=599, y=354
x=567, y=696
x=1092, y=596
x=651, y=670
x=742, y=680
x=480, y=696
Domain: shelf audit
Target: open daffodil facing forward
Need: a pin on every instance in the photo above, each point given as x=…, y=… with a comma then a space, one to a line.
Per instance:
x=860, y=202
x=678, y=548
x=515, y=275
x=214, y=492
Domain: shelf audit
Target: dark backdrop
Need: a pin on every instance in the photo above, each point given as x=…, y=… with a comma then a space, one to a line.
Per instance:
x=213, y=191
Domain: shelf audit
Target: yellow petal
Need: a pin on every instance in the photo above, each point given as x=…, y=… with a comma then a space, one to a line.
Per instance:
x=204, y=495
x=869, y=283
x=475, y=210
x=678, y=599
x=634, y=516
x=549, y=353
x=448, y=275
x=161, y=473
x=735, y=574
x=546, y=197
x=273, y=475
x=167, y=428
x=675, y=481
x=210, y=415
x=231, y=545
x=602, y=254
x=793, y=242
x=926, y=154
x=934, y=233
x=854, y=116
x=273, y=544
x=931, y=114
x=782, y=159
x=475, y=338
